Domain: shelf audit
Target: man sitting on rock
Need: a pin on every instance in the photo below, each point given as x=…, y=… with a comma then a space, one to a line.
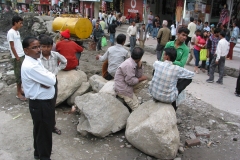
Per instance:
x=114, y=56
x=128, y=77
x=68, y=49
x=169, y=80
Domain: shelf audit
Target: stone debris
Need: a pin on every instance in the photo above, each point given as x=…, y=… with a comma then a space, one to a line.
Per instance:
x=202, y=132
x=192, y=142
x=180, y=150
x=235, y=139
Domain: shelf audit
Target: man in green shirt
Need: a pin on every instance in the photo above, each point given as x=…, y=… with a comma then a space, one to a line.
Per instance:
x=180, y=46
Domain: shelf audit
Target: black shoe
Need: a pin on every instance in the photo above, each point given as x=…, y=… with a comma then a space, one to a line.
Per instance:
x=209, y=81
x=36, y=157
x=218, y=82
x=238, y=95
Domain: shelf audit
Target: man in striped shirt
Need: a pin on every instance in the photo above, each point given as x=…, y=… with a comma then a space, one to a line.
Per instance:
x=169, y=80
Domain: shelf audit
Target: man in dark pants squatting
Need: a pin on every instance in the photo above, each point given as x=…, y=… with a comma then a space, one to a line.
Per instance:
x=38, y=85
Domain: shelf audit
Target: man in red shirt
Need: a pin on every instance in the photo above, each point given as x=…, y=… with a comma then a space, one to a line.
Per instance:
x=68, y=49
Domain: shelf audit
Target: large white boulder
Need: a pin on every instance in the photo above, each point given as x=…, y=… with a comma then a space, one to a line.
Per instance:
x=47, y=18
x=152, y=128
x=84, y=88
x=108, y=88
x=38, y=19
x=68, y=83
x=49, y=26
x=97, y=82
x=101, y=114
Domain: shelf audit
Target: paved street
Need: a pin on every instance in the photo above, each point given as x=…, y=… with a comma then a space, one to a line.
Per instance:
x=219, y=96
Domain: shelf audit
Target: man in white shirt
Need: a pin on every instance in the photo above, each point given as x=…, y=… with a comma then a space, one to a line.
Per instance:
x=38, y=84
x=192, y=28
x=132, y=32
x=17, y=53
x=206, y=27
x=100, y=14
x=219, y=59
x=114, y=56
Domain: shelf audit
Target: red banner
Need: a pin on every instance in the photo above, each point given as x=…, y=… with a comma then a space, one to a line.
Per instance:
x=133, y=6
x=45, y=2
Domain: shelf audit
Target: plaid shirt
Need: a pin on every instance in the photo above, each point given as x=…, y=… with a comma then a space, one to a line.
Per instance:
x=52, y=63
x=164, y=81
x=214, y=41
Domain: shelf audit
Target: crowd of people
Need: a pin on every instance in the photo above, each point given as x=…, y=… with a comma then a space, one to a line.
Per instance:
x=37, y=62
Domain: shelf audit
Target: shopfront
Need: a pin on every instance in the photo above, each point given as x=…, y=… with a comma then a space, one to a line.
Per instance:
x=133, y=7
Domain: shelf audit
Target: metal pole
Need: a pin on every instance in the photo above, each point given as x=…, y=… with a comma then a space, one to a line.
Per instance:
x=230, y=14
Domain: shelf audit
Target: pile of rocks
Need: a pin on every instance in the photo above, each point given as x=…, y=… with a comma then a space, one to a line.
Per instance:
x=152, y=128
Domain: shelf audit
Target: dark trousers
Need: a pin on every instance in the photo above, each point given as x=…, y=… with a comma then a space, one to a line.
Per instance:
x=108, y=76
x=221, y=64
x=238, y=85
x=181, y=85
x=99, y=43
x=132, y=42
x=187, y=40
x=159, y=51
x=210, y=61
x=54, y=100
x=42, y=112
x=230, y=53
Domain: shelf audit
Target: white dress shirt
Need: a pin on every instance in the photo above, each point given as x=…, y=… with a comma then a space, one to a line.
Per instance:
x=132, y=30
x=34, y=75
x=222, y=48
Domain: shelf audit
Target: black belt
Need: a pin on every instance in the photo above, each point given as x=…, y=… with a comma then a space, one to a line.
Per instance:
x=133, y=35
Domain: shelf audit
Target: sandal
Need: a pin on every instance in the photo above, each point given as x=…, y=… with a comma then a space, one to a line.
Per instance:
x=22, y=98
x=57, y=131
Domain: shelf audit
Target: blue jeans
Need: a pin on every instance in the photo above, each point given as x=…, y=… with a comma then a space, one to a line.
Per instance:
x=150, y=28
x=155, y=32
x=132, y=42
x=197, y=56
x=112, y=38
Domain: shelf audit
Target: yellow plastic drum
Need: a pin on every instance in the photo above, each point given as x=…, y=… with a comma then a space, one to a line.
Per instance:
x=80, y=27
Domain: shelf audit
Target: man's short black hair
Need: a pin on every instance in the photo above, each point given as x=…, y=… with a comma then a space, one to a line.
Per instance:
x=191, y=19
x=26, y=42
x=137, y=53
x=121, y=38
x=206, y=23
x=143, y=24
x=16, y=19
x=183, y=30
x=171, y=52
x=225, y=26
x=46, y=40
x=198, y=30
x=199, y=20
x=217, y=30
x=223, y=34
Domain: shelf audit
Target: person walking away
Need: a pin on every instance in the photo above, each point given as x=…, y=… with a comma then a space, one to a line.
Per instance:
x=17, y=53
x=142, y=35
x=150, y=23
x=100, y=14
x=200, y=43
x=97, y=36
x=68, y=49
x=212, y=45
x=155, y=30
x=129, y=18
x=180, y=46
x=173, y=31
x=113, y=58
x=219, y=59
x=112, y=31
x=233, y=40
x=199, y=25
x=164, y=35
x=129, y=78
x=53, y=62
x=192, y=28
x=111, y=17
x=169, y=80
x=192, y=43
x=132, y=32
x=237, y=91
x=94, y=22
x=38, y=85
x=103, y=24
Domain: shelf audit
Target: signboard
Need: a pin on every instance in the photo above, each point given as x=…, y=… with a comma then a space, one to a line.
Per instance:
x=133, y=6
x=90, y=0
x=45, y=2
x=20, y=1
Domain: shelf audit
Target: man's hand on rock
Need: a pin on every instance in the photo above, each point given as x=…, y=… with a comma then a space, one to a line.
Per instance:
x=142, y=78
